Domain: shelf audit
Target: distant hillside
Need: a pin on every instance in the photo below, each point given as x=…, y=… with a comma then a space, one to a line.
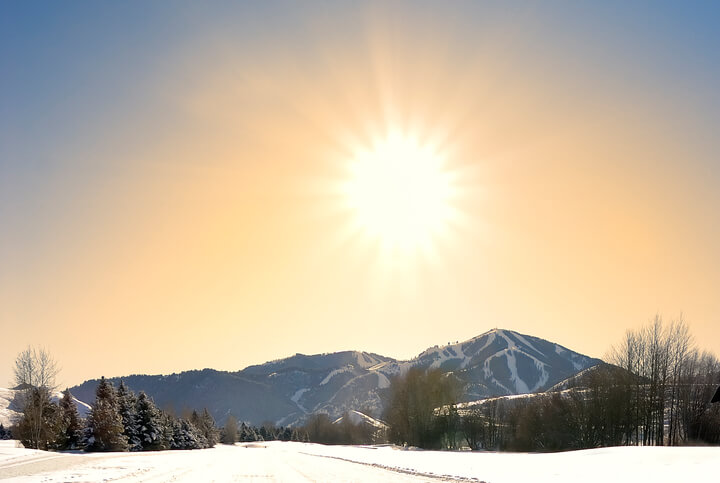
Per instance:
x=498, y=362
x=10, y=410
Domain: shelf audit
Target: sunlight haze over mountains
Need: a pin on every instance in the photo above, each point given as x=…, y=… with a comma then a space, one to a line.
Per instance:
x=186, y=186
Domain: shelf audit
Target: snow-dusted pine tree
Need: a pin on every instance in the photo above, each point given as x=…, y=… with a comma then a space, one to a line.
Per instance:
x=127, y=405
x=70, y=425
x=150, y=424
x=104, y=424
x=185, y=435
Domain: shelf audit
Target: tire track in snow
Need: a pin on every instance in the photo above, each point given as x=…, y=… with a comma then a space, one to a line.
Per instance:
x=396, y=469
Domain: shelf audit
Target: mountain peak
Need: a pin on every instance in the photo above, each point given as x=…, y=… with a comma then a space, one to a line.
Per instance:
x=502, y=361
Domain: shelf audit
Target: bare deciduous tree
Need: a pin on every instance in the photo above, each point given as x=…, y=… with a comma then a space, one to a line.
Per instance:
x=35, y=368
x=412, y=414
x=35, y=372
x=671, y=389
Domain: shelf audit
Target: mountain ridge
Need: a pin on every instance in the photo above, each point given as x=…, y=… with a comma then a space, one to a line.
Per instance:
x=285, y=391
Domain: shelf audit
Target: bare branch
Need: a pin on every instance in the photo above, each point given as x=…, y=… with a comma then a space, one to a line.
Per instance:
x=35, y=368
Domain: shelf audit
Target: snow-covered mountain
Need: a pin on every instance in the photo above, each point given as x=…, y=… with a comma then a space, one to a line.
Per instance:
x=502, y=362
x=285, y=391
x=10, y=410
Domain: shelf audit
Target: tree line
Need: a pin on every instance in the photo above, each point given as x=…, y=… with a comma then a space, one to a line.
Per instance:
x=318, y=428
x=656, y=391
x=119, y=420
x=234, y=432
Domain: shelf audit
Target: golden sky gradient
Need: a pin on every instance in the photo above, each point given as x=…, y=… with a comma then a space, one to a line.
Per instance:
x=191, y=215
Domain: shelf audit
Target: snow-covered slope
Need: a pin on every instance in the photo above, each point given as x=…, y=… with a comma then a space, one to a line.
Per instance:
x=356, y=417
x=10, y=409
x=595, y=375
x=501, y=362
x=498, y=362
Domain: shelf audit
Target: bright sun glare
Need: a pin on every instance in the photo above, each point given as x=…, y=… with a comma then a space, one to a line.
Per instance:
x=400, y=193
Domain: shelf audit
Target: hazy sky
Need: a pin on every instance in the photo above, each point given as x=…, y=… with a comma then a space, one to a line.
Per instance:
x=170, y=177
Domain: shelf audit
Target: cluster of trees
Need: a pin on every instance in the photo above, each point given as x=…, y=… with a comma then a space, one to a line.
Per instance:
x=657, y=391
x=48, y=425
x=669, y=402
x=119, y=420
x=412, y=412
x=587, y=416
x=609, y=406
x=319, y=428
x=234, y=432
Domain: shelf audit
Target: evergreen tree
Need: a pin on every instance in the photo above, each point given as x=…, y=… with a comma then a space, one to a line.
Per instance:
x=195, y=419
x=185, y=435
x=194, y=434
x=246, y=434
x=70, y=435
x=104, y=424
x=150, y=424
x=265, y=433
x=195, y=422
x=178, y=438
x=167, y=422
x=209, y=429
x=206, y=426
x=127, y=406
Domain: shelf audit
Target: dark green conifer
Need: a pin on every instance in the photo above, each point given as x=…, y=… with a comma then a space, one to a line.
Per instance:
x=70, y=425
x=127, y=405
x=150, y=424
x=104, y=425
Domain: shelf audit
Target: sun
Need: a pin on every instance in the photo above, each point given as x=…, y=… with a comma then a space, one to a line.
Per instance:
x=400, y=193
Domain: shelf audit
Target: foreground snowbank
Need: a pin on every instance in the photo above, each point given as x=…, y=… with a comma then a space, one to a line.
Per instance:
x=281, y=461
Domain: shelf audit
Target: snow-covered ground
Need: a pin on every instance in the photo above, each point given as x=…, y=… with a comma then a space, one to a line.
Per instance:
x=279, y=461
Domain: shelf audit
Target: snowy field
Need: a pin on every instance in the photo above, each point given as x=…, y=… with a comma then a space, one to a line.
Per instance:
x=280, y=461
